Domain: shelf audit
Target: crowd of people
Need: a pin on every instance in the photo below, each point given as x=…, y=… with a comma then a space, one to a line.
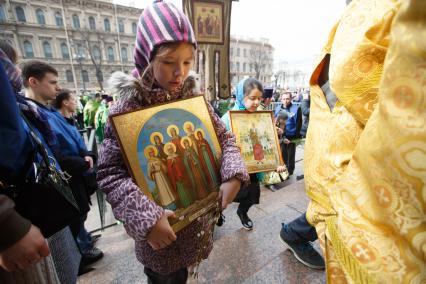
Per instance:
x=364, y=155
x=44, y=153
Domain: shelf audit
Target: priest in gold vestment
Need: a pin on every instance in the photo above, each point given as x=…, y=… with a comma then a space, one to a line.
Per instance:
x=365, y=153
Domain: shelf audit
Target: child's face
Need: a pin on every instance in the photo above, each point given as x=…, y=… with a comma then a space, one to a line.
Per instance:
x=171, y=70
x=281, y=123
x=252, y=100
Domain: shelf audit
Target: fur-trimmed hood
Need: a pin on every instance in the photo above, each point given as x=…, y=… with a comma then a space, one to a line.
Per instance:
x=144, y=91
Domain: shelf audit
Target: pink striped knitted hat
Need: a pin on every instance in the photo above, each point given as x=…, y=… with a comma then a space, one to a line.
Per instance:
x=160, y=23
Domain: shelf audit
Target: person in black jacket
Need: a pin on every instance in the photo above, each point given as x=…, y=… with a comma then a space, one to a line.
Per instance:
x=80, y=166
x=305, y=107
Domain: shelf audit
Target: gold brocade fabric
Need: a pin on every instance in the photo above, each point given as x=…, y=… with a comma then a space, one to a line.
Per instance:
x=365, y=161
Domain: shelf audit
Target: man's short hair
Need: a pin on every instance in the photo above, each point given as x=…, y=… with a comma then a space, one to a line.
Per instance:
x=37, y=69
x=286, y=93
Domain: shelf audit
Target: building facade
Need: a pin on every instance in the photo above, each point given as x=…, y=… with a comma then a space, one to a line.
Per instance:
x=85, y=40
x=251, y=58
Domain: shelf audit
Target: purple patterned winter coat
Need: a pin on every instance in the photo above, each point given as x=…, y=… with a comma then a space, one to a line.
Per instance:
x=129, y=204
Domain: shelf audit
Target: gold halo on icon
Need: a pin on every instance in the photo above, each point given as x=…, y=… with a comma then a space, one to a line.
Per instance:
x=171, y=126
x=186, y=124
x=149, y=149
x=153, y=134
x=199, y=130
x=186, y=138
x=167, y=147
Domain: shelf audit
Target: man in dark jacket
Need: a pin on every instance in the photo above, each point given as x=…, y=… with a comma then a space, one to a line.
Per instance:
x=292, y=131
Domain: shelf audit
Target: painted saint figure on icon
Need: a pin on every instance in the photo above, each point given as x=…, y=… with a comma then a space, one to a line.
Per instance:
x=208, y=161
x=257, y=146
x=157, y=172
x=194, y=169
x=177, y=174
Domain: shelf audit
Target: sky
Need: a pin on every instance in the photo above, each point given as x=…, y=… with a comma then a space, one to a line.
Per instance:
x=297, y=29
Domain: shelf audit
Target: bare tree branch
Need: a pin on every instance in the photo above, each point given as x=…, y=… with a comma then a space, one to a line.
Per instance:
x=95, y=53
x=258, y=58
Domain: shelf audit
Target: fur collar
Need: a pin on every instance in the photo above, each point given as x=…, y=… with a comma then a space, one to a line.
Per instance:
x=128, y=87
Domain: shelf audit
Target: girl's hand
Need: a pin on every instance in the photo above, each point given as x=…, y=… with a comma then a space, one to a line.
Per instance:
x=286, y=141
x=279, y=131
x=162, y=234
x=281, y=169
x=228, y=191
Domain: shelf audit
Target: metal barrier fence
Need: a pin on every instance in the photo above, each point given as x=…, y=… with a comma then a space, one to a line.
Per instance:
x=91, y=142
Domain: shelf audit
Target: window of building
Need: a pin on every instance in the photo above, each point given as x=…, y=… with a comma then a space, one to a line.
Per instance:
x=231, y=51
x=85, y=75
x=2, y=14
x=28, y=49
x=58, y=19
x=70, y=77
x=231, y=66
x=134, y=27
x=121, y=26
x=96, y=53
x=40, y=17
x=124, y=54
x=110, y=52
x=107, y=25
x=47, y=49
x=244, y=52
x=92, y=23
x=75, y=21
x=244, y=64
x=20, y=14
x=238, y=51
x=238, y=67
x=65, y=51
x=80, y=50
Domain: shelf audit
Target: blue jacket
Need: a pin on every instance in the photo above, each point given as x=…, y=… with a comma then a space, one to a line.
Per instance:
x=15, y=144
x=294, y=120
x=69, y=139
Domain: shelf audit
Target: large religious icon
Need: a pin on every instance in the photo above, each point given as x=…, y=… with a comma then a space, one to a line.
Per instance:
x=173, y=154
x=257, y=137
x=208, y=21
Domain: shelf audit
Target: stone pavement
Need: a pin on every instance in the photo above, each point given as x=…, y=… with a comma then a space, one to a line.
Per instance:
x=238, y=256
